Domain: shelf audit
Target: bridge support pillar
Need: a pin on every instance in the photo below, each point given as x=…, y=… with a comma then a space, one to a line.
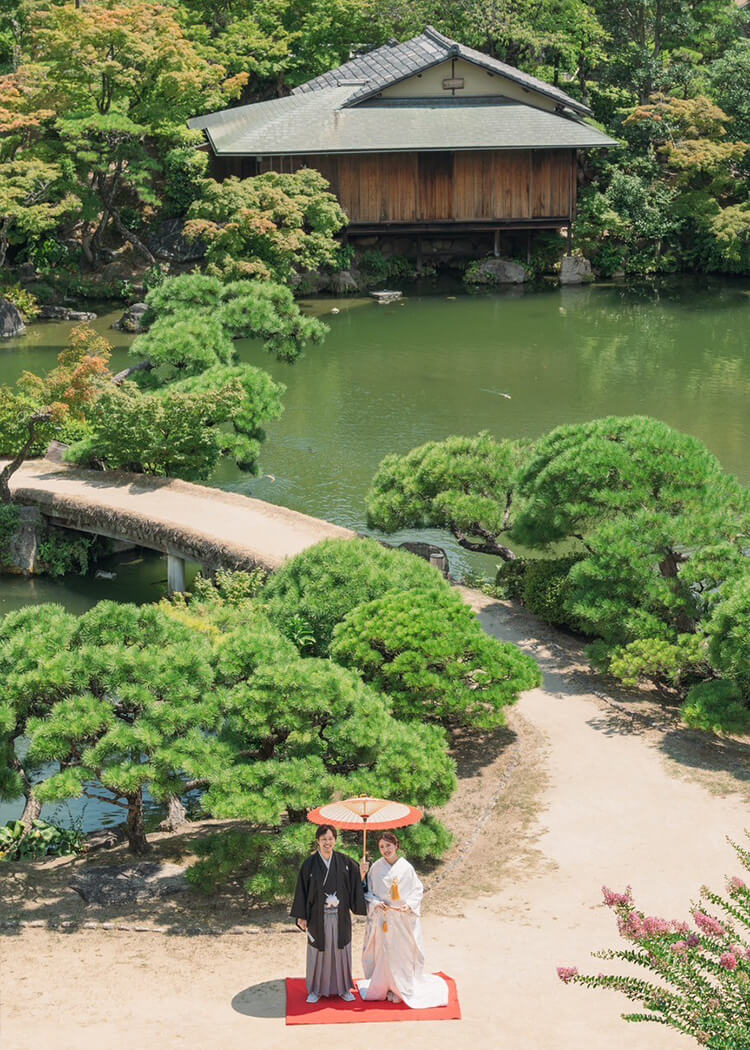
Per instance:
x=176, y=574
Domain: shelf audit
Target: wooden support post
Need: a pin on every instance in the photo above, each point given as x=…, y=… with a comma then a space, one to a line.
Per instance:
x=496, y=245
x=528, y=247
x=419, y=255
x=176, y=582
x=570, y=239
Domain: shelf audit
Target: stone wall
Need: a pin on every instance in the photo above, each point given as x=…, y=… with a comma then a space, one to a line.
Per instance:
x=22, y=555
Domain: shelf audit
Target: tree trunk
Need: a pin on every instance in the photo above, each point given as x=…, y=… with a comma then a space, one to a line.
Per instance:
x=31, y=811
x=131, y=237
x=134, y=827
x=176, y=815
x=127, y=372
x=12, y=467
x=4, y=240
x=669, y=568
x=96, y=240
x=86, y=237
x=488, y=546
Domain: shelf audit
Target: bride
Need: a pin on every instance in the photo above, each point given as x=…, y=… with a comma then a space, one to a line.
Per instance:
x=393, y=953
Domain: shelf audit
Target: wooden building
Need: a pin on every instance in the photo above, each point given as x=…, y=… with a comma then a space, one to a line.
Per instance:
x=425, y=136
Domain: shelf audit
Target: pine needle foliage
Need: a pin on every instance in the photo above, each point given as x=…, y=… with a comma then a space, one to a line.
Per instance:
x=654, y=536
x=462, y=484
x=206, y=693
x=324, y=583
x=120, y=698
x=426, y=650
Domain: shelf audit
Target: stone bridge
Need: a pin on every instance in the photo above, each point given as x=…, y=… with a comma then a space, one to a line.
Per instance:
x=184, y=521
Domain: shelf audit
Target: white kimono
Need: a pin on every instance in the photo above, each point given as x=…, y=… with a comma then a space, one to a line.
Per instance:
x=393, y=954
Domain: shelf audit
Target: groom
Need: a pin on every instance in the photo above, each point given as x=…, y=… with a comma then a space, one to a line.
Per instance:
x=329, y=887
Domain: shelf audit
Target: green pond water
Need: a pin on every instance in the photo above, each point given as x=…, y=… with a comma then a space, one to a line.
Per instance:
x=515, y=363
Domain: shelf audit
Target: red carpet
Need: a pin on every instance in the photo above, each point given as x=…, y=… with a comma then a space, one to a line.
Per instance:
x=335, y=1011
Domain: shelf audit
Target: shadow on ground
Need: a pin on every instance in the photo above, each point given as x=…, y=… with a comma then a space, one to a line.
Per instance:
x=267, y=999
x=562, y=659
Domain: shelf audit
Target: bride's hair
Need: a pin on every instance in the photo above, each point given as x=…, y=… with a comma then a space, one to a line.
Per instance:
x=389, y=837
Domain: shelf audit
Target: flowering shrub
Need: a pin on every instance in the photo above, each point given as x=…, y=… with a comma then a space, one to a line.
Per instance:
x=703, y=973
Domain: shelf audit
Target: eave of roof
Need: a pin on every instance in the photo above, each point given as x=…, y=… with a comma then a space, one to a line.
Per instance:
x=316, y=123
x=391, y=64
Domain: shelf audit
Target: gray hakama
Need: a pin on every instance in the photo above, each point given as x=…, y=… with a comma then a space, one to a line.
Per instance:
x=329, y=972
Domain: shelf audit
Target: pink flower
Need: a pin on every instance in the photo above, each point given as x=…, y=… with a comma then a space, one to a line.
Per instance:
x=631, y=926
x=680, y=947
x=735, y=885
x=737, y=949
x=567, y=973
x=653, y=926
x=713, y=1004
x=693, y=941
x=711, y=927
x=680, y=927
x=728, y=961
x=617, y=900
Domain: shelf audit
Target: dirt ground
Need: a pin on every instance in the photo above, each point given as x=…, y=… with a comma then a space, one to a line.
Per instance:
x=587, y=786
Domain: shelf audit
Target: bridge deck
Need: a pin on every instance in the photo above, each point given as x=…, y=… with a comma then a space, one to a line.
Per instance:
x=207, y=525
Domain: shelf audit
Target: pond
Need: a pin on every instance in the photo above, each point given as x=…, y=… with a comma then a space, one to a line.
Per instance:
x=515, y=363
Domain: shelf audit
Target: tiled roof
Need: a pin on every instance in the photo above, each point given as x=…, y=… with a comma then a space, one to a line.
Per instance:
x=314, y=122
x=370, y=73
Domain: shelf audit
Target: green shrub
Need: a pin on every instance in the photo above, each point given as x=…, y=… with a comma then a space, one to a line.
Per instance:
x=426, y=650
x=729, y=632
x=546, y=251
x=669, y=665
x=717, y=707
x=378, y=267
x=62, y=551
x=19, y=843
x=185, y=169
x=509, y=579
x=326, y=582
x=229, y=587
x=546, y=588
x=8, y=525
x=24, y=300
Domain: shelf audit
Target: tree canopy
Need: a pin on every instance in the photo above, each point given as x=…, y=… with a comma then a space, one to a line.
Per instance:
x=317, y=588
x=94, y=99
x=206, y=693
x=655, y=535
x=427, y=651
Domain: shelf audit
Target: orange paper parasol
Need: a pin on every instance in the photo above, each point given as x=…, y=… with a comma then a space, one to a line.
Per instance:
x=364, y=814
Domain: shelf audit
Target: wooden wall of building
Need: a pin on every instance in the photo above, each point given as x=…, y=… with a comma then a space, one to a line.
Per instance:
x=471, y=186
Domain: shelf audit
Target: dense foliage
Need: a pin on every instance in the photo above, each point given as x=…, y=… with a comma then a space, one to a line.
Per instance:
x=207, y=693
x=700, y=973
x=657, y=535
x=42, y=839
x=94, y=99
x=120, y=695
x=320, y=586
x=270, y=227
x=428, y=652
x=187, y=402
